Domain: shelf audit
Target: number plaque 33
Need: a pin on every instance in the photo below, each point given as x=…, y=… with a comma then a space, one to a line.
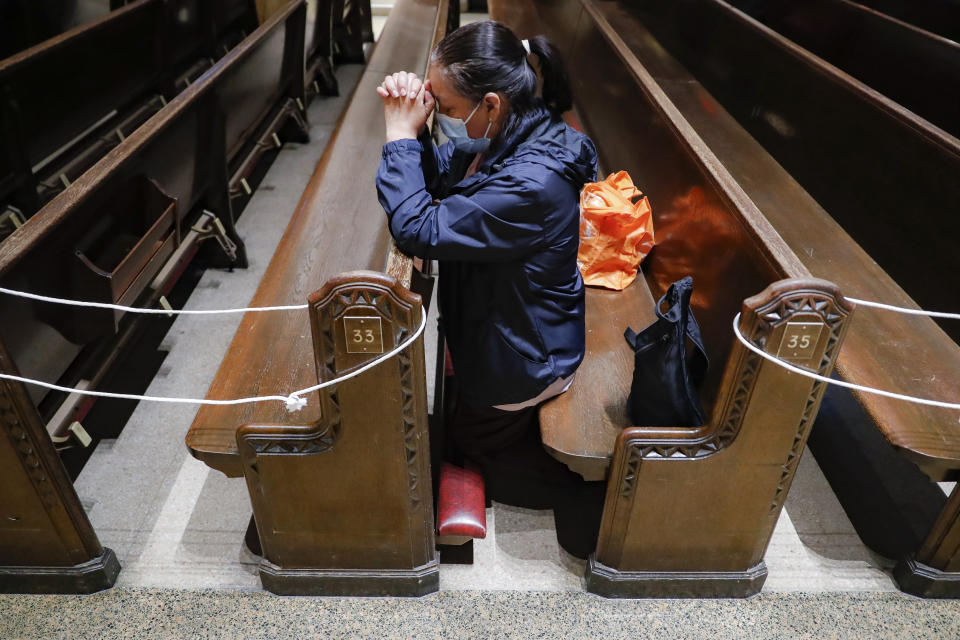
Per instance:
x=364, y=334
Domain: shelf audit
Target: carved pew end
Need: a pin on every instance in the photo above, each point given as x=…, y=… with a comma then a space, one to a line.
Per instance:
x=728, y=479
x=343, y=506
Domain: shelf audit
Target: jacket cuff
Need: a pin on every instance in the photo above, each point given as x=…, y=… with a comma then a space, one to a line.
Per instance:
x=399, y=146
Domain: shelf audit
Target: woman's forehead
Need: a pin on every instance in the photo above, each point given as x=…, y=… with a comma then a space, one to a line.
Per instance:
x=442, y=88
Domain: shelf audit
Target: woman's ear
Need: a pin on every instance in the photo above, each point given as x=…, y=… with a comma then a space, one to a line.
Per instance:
x=494, y=106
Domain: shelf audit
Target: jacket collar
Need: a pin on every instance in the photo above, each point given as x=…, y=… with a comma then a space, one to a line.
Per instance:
x=531, y=126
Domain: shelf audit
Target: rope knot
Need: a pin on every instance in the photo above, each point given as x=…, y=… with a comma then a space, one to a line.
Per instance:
x=295, y=403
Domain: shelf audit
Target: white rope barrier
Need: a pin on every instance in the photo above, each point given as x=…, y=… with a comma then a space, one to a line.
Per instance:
x=294, y=401
x=165, y=312
x=915, y=312
x=297, y=307
x=840, y=383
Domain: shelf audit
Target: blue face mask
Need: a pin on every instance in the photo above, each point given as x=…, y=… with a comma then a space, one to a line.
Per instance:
x=456, y=131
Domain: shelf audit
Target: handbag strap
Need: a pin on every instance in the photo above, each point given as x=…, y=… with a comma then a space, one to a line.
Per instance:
x=631, y=337
x=678, y=294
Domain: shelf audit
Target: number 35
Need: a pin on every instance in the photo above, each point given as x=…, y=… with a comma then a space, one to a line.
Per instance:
x=798, y=341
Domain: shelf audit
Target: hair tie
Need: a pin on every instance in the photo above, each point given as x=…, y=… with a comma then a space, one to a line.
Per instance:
x=526, y=45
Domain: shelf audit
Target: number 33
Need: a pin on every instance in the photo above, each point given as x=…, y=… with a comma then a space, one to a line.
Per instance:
x=364, y=335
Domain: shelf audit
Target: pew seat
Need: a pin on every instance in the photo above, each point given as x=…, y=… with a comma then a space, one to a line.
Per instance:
x=580, y=427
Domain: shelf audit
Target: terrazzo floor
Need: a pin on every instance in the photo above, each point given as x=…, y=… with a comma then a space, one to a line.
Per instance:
x=142, y=614
x=177, y=527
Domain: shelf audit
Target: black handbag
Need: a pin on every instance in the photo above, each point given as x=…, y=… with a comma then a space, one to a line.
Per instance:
x=665, y=375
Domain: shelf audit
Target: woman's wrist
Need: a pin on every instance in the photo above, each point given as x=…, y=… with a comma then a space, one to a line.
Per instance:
x=401, y=133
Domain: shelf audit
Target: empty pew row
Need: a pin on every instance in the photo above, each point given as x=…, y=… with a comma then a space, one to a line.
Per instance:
x=341, y=492
x=891, y=174
x=352, y=26
x=318, y=52
x=882, y=350
x=915, y=68
x=24, y=23
x=937, y=16
x=121, y=234
x=689, y=511
x=67, y=101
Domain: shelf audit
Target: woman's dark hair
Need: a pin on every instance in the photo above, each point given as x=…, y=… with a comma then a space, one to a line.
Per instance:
x=487, y=56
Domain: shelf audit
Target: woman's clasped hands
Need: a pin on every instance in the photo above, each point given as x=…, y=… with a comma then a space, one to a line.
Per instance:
x=407, y=103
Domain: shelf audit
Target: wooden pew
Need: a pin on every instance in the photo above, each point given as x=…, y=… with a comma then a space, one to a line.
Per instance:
x=915, y=68
x=936, y=16
x=67, y=101
x=352, y=26
x=223, y=22
x=688, y=512
x=927, y=437
x=319, y=49
x=120, y=234
x=891, y=174
x=24, y=23
x=887, y=351
x=341, y=494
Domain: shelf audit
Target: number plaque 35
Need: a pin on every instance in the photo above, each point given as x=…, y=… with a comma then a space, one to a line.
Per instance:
x=364, y=334
x=800, y=340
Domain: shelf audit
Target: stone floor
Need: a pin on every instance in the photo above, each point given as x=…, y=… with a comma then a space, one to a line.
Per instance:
x=152, y=614
x=177, y=527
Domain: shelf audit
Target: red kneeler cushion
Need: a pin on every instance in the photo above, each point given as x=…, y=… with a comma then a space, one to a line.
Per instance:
x=461, y=509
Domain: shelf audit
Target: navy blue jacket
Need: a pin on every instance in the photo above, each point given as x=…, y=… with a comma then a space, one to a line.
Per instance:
x=506, y=237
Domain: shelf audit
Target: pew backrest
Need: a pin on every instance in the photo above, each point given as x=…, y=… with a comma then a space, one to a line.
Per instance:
x=55, y=93
x=913, y=67
x=59, y=88
x=935, y=16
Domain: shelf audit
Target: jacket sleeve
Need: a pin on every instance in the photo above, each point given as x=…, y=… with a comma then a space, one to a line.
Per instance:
x=501, y=221
x=435, y=161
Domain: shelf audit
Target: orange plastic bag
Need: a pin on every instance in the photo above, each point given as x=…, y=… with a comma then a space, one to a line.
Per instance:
x=616, y=231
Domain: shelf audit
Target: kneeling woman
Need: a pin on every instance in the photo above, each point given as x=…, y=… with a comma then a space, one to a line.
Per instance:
x=497, y=206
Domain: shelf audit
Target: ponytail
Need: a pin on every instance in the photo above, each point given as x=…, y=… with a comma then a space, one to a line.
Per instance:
x=556, y=91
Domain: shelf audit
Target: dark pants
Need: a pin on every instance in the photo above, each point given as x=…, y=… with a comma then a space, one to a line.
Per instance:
x=519, y=472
